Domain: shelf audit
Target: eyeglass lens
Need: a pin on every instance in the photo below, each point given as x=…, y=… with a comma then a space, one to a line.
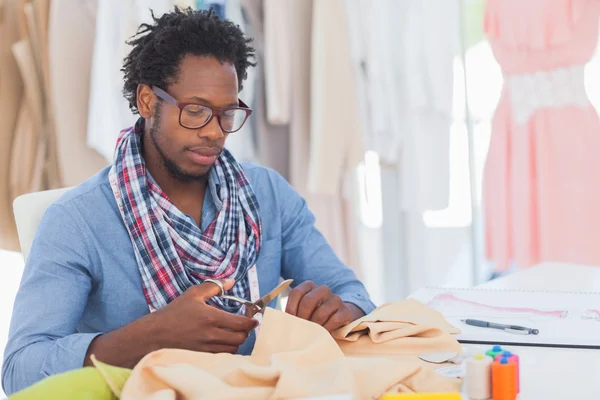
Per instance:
x=195, y=116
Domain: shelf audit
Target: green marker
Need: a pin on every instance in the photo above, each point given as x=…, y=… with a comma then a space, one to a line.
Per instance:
x=494, y=352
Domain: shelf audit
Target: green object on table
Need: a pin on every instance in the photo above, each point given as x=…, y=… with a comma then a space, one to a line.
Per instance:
x=101, y=382
x=494, y=352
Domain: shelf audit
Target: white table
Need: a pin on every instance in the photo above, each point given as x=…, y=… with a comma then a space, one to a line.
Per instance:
x=546, y=373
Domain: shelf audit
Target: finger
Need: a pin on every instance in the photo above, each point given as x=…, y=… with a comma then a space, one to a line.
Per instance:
x=322, y=314
x=228, y=283
x=226, y=337
x=236, y=323
x=341, y=318
x=206, y=290
x=296, y=295
x=219, y=348
x=313, y=300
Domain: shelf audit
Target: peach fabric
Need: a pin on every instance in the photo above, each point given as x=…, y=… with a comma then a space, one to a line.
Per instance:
x=334, y=216
x=406, y=327
x=541, y=186
x=293, y=358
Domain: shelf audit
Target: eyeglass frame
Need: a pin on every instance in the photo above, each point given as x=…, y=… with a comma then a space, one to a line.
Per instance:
x=218, y=112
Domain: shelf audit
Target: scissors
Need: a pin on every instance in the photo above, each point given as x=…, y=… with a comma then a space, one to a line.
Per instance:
x=260, y=305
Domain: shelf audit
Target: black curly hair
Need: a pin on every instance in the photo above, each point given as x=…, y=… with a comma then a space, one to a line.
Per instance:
x=159, y=48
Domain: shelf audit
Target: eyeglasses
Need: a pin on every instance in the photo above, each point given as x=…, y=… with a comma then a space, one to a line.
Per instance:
x=195, y=116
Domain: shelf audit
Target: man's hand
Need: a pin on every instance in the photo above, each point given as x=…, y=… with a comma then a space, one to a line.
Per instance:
x=318, y=304
x=185, y=323
x=192, y=324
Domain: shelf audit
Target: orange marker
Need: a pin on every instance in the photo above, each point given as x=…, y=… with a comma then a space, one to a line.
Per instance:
x=504, y=380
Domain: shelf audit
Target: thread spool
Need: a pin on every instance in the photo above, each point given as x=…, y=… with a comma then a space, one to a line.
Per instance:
x=515, y=359
x=478, y=377
x=504, y=379
x=494, y=351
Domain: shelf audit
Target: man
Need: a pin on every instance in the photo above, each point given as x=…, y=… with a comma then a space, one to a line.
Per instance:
x=174, y=209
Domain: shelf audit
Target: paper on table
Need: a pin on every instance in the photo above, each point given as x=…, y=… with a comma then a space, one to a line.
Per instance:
x=564, y=319
x=292, y=358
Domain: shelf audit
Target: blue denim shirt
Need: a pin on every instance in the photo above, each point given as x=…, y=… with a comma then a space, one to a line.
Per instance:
x=81, y=278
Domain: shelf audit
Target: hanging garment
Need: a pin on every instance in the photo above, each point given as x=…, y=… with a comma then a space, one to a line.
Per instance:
x=428, y=63
x=541, y=186
x=36, y=15
x=272, y=141
x=109, y=113
x=333, y=212
x=403, y=56
x=300, y=40
x=72, y=29
x=243, y=142
x=336, y=129
x=27, y=155
x=34, y=164
x=277, y=60
x=11, y=98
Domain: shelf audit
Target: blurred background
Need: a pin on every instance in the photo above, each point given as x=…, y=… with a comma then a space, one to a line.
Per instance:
x=438, y=142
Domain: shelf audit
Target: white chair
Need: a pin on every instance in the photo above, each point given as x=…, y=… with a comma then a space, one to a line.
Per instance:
x=29, y=210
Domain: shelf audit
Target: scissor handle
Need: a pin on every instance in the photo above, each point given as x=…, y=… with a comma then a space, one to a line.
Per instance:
x=251, y=308
x=237, y=299
x=218, y=283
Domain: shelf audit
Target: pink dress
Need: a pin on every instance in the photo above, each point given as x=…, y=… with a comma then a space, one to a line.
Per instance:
x=541, y=188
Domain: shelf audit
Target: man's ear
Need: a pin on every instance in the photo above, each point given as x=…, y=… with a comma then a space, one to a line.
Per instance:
x=145, y=101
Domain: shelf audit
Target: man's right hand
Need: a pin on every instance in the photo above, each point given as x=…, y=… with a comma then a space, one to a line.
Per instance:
x=189, y=323
x=185, y=323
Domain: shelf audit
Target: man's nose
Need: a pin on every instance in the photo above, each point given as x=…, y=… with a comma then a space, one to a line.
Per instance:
x=212, y=130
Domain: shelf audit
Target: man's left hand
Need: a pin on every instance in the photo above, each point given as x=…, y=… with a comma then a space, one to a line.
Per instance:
x=319, y=305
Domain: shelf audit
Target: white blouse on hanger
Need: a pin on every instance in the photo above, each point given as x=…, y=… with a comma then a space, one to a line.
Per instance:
x=432, y=43
x=109, y=112
x=403, y=53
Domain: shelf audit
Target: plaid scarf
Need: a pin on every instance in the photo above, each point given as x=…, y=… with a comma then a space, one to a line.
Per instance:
x=172, y=253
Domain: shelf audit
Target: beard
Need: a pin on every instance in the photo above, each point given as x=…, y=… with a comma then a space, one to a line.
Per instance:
x=167, y=163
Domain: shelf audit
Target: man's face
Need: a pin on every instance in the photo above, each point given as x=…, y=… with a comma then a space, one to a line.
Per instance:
x=189, y=154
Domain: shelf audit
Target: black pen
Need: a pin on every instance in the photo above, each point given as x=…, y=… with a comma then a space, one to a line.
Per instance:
x=520, y=330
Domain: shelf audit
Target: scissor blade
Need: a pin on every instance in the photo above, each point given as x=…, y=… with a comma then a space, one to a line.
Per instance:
x=266, y=299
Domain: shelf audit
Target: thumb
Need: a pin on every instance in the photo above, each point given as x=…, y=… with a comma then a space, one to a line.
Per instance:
x=207, y=290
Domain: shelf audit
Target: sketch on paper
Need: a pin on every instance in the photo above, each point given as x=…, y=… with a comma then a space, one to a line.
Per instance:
x=591, y=314
x=562, y=318
x=448, y=304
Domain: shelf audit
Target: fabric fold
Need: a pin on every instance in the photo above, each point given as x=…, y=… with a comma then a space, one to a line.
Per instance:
x=401, y=328
x=295, y=359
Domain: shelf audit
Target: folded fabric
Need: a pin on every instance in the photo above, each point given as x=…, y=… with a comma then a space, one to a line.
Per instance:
x=399, y=328
x=101, y=382
x=292, y=359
